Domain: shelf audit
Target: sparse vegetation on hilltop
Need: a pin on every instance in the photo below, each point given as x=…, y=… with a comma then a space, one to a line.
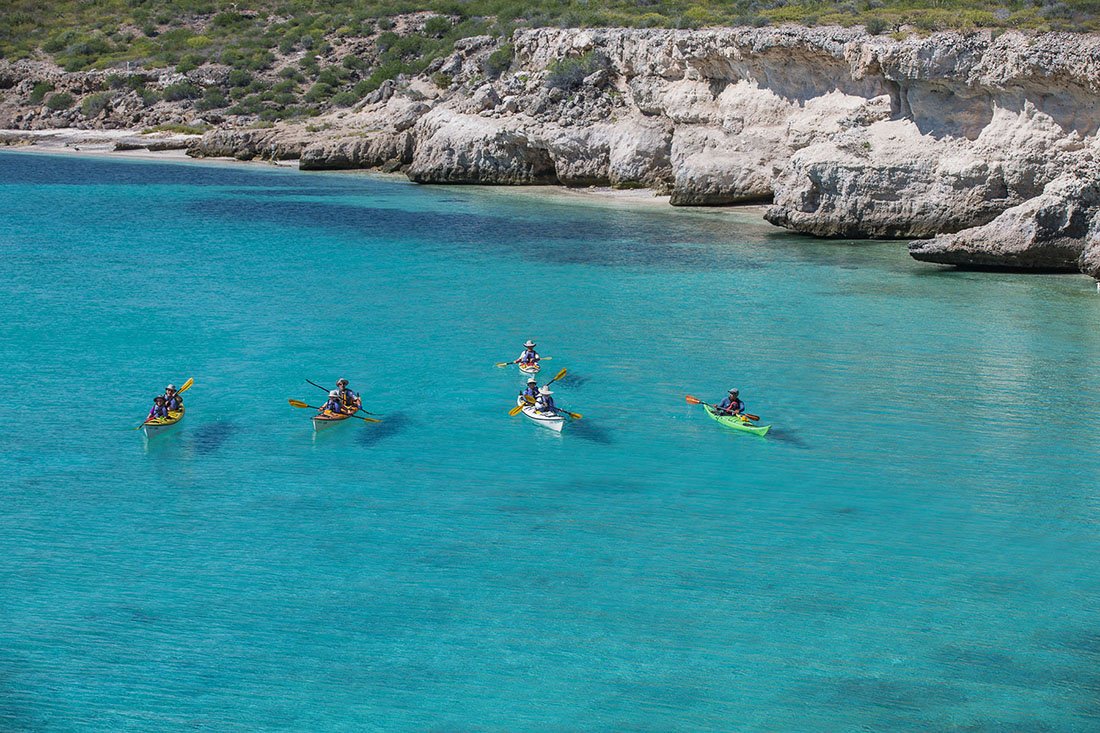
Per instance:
x=295, y=58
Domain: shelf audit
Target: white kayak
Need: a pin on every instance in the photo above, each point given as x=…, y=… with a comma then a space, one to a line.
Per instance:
x=553, y=422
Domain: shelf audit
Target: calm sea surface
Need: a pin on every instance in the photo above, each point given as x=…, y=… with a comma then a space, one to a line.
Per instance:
x=915, y=547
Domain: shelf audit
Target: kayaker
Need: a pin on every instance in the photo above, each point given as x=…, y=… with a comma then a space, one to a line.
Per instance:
x=529, y=355
x=544, y=403
x=732, y=405
x=347, y=397
x=158, y=409
x=172, y=399
x=532, y=389
x=334, y=405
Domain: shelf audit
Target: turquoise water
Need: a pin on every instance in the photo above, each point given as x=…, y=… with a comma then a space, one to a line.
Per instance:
x=913, y=548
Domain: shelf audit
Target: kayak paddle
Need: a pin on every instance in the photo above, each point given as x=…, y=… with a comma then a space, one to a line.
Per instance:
x=326, y=389
x=696, y=401
x=515, y=410
x=557, y=376
x=503, y=364
x=299, y=403
x=183, y=388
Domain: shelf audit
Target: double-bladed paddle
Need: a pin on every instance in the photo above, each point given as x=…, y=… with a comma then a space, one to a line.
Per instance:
x=299, y=403
x=502, y=364
x=326, y=389
x=696, y=401
x=515, y=410
x=183, y=388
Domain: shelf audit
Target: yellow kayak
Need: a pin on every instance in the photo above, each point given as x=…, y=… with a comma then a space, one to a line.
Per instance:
x=157, y=425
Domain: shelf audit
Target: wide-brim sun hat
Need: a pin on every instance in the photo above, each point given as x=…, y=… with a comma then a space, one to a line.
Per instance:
x=334, y=394
x=532, y=380
x=529, y=343
x=545, y=390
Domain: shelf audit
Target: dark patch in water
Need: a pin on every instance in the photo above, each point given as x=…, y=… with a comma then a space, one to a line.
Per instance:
x=1012, y=726
x=989, y=666
x=209, y=438
x=787, y=438
x=588, y=430
x=573, y=380
x=624, y=241
x=374, y=433
x=878, y=696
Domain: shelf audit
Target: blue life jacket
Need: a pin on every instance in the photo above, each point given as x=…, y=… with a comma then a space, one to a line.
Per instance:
x=158, y=411
x=174, y=402
x=546, y=404
x=334, y=405
x=528, y=357
x=532, y=391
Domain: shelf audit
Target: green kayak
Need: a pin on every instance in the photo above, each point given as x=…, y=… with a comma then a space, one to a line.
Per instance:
x=737, y=423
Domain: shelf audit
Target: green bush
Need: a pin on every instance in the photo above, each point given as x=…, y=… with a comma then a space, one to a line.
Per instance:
x=212, y=98
x=500, y=60
x=239, y=78
x=437, y=26
x=345, y=99
x=319, y=92
x=39, y=91
x=441, y=80
x=181, y=91
x=61, y=100
x=568, y=74
x=94, y=104
x=875, y=25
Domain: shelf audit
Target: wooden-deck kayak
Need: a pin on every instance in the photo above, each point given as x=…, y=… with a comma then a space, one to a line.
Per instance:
x=157, y=425
x=737, y=422
x=327, y=418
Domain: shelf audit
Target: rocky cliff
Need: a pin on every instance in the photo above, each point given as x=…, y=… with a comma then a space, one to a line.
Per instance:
x=982, y=144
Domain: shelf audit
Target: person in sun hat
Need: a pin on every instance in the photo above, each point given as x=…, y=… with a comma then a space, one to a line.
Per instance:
x=172, y=399
x=334, y=405
x=529, y=355
x=732, y=405
x=348, y=398
x=544, y=403
x=159, y=409
x=532, y=389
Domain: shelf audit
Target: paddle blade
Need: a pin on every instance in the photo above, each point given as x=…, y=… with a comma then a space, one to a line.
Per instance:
x=366, y=419
x=574, y=415
x=693, y=400
x=528, y=399
x=557, y=376
x=502, y=364
x=750, y=416
x=513, y=412
x=297, y=403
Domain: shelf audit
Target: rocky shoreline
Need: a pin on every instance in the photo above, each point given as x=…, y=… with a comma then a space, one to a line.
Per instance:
x=980, y=147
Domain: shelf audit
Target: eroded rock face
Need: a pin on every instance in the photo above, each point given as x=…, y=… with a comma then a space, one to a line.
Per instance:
x=847, y=134
x=1051, y=231
x=457, y=148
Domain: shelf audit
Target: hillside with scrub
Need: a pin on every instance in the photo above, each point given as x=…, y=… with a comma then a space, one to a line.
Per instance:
x=279, y=60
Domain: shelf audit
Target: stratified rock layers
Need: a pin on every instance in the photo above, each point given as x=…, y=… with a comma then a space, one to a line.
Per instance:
x=980, y=143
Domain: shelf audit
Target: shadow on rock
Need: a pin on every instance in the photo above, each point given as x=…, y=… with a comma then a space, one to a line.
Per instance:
x=210, y=437
x=374, y=433
x=588, y=430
